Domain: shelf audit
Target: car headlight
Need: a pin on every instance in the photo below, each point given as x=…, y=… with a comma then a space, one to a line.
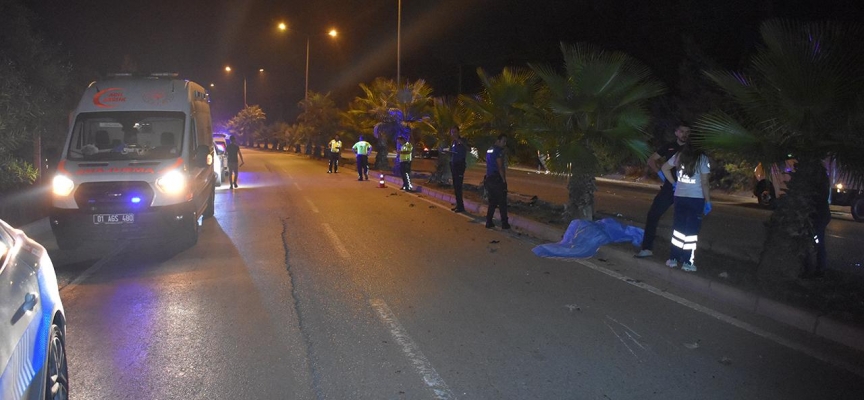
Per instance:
x=839, y=186
x=62, y=185
x=173, y=182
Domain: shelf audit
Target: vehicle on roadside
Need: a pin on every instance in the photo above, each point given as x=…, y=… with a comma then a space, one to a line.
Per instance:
x=220, y=162
x=768, y=188
x=137, y=163
x=33, y=361
x=429, y=153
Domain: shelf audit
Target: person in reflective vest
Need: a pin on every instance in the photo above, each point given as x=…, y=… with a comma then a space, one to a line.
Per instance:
x=692, y=202
x=496, y=182
x=666, y=196
x=362, y=149
x=335, y=147
x=406, y=153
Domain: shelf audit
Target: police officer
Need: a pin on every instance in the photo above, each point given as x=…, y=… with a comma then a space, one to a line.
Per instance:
x=496, y=182
x=458, y=153
x=406, y=153
x=362, y=149
x=666, y=196
x=335, y=147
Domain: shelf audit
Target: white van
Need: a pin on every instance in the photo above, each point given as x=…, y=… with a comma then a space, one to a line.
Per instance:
x=137, y=162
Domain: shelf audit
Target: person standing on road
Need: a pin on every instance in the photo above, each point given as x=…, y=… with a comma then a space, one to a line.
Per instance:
x=233, y=155
x=496, y=182
x=692, y=201
x=820, y=213
x=362, y=149
x=406, y=154
x=458, y=153
x=335, y=147
x=663, y=200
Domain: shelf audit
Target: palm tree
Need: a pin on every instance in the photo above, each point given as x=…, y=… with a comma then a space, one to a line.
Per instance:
x=321, y=116
x=444, y=114
x=801, y=96
x=598, y=105
x=501, y=107
x=389, y=110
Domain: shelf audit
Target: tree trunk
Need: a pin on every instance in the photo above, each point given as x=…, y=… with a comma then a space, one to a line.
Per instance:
x=790, y=229
x=381, y=163
x=580, y=203
x=442, y=175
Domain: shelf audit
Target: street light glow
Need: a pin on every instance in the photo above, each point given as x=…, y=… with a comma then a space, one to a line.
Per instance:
x=227, y=68
x=282, y=26
x=333, y=33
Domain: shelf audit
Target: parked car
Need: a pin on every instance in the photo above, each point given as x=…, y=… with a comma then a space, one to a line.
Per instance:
x=220, y=164
x=32, y=321
x=427, y=152
x=767, y=189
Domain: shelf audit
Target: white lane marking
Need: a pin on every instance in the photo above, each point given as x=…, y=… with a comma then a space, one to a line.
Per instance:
x=337, y=244
x=727, y=319
x=412, y=351
x=311, y=205
x=298, y=186
x=95, y=267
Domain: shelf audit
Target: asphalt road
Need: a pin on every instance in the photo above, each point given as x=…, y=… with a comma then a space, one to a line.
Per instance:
x=314, y=286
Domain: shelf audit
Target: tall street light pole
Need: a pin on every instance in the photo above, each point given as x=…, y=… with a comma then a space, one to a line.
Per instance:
x=245, y=103
x=399, y=47
x=332, y=33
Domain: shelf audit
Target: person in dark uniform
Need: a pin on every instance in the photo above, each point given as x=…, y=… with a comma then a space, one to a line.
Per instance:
x=663, y=200
x=235, y=161
x=458, y=154
x=496, y=182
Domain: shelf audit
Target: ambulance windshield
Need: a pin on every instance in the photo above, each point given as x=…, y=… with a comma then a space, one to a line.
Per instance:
x=125, y=135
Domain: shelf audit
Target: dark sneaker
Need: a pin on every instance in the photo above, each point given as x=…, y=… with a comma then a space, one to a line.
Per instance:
x=505, y=226
x=490, y=225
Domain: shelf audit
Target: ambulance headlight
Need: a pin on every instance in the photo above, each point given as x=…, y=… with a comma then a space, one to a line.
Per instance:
x=62, y=185
x=173, y=182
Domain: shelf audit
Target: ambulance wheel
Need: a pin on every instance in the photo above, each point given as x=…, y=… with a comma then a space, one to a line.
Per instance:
x=64, y=242
x=190, y=232
x=211, y=204
x=858, y=208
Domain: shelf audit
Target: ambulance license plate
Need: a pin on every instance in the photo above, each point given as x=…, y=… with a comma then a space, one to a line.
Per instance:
x=111, y=219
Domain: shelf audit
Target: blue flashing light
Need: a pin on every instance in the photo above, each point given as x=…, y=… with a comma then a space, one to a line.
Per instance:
x=136, y=200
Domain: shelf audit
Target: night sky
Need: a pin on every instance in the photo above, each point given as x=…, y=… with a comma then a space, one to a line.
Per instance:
x=443, y=41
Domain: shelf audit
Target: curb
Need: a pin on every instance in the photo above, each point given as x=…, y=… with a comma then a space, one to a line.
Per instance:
x=806, y=320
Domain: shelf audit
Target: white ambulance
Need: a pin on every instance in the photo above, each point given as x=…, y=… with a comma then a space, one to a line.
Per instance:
x=137, y=162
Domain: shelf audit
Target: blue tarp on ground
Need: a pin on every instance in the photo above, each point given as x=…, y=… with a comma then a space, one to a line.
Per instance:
x=584, y=238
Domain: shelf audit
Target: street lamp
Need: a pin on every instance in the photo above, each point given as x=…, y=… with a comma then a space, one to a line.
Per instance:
x=332, y=33
x=228, y=69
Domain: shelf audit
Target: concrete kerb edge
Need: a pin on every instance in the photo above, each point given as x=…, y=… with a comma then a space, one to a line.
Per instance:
x=808, y=321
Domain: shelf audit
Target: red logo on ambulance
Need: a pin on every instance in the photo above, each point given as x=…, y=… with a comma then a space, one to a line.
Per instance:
x=109, y=98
